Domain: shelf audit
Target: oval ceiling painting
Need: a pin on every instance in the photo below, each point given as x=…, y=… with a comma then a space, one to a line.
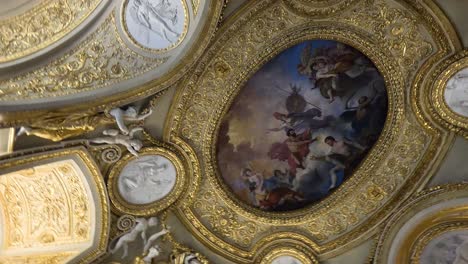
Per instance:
x=301, y=125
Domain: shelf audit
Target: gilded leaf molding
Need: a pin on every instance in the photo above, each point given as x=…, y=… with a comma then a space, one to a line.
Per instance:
x=396, y=37
x=45, y=206
x=399, y=28
x=101, y=60
x=41, y=26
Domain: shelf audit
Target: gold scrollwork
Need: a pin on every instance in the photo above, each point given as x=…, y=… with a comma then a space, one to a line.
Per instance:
x=319, y=7
x=395, y=167
x=41, y=26
x=102, y=60
x=152, y=208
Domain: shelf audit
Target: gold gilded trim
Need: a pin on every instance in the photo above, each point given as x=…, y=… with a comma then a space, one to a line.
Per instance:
x=12, y=91
x=442, y=112
x=398, y=38
x=84, y=157
x=414, y=241
x=125, y=207
x=102, y=60
x=271, y=254
x=449, y=225
x=41, y=26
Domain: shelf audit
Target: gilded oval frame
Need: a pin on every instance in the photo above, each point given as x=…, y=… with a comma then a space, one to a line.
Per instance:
x=258, y=28
x=270, y=254
x=393, y=120
x=443, y=114
x=432, y=224
x=124, y=207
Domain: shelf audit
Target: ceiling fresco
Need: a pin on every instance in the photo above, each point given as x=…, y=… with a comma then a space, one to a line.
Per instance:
x=233, y=132
x=294, y=134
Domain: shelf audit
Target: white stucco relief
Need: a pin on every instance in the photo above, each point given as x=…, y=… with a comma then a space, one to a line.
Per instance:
x=456, y=93
x=155, y=24
x=147, y=179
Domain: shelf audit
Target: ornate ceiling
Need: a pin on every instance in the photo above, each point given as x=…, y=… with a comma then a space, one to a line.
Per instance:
x=269, y=131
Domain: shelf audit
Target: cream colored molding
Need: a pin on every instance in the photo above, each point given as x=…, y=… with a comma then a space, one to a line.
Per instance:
x=7, y=138
x=108, y=67
x=431, y=213
x=53, y=207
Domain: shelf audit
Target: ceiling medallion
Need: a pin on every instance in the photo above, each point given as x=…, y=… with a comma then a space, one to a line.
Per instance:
x=240, y=206
x=156, y=26
x=449, y=93
x=132, y=181
x=287, y=255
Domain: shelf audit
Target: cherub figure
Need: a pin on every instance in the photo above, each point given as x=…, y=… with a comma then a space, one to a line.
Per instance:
x=132, y=144
x=154, y=237
x=130, y=114
x=140, y=229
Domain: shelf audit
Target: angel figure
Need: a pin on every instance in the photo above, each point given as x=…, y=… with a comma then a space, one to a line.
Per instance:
x=58, y=126
x=148, y=258
x=130, y=115
x=132, y=144
x=154, y=237
x=158, y=18
x=140, y=229
x=336, y=71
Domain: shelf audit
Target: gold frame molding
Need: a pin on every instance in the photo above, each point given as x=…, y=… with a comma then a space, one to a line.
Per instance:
x=87, y=160
x=124, y=207
x=391, y=36
x=443, y=114
x=156, y=51
x=435, y=224
x=274, y=253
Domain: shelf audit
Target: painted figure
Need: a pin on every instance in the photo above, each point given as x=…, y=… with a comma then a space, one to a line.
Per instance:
x=346, y=108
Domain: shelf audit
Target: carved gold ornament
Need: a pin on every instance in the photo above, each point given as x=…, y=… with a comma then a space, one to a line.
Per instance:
x=402, y=40
x=41, y=26
x=54, y=208
x=107, y=65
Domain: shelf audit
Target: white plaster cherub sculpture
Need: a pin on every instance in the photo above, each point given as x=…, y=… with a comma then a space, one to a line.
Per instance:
x=130, y=114
x=154, y=237
x=113, y=136
x=153, y=252
x=140, y=229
